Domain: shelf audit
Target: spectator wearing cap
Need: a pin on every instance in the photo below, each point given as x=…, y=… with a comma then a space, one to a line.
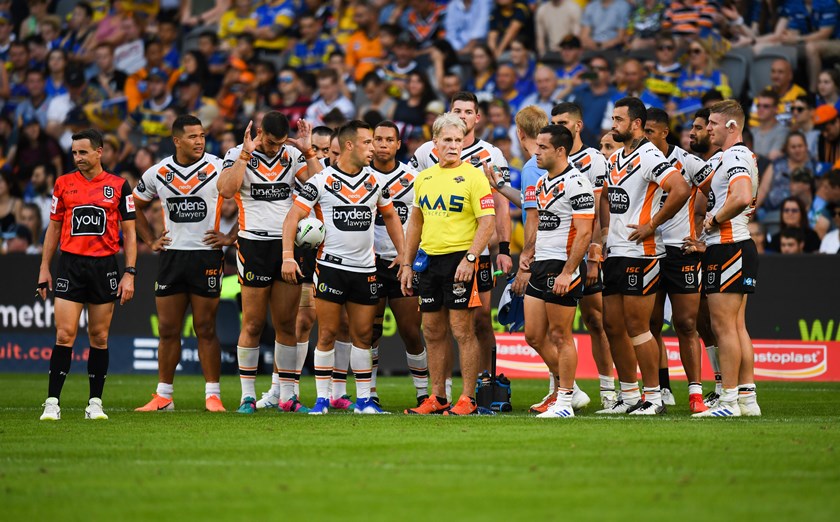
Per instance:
x=274, y=22
x=149, y=117
x=330, y=98
x=136, y=85
x=831, y=241
x=769, y=135
x=604, y=24
x=292, y=102
x=548, y=93
x=781, y=81
x=524, y=65
x=555, y=20
x=363, y=52
x=802, y=120
x=78, y=94
x=466, y=23
x=667, y=70
x=594, y=94
x=396, y=70
x=107, y=78
x=645, y=24
x=312, y=51
x=827, y=122
x=378, y=100
x=78, y=40
x=506, y=87
x=571, y=68
x=240, y=19
x=508, y=19
x=34, y=107
x=17, y=240
x=424, y=20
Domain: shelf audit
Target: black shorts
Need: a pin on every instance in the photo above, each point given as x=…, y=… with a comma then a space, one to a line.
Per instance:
x=341, y=286
x=196, y=272
x=680, y=272
x=438, y=289
x=486, y=281
x=543, y=274
x=306, y=261
x=631, y=276
x=86, y=279
x=259, y=263
x=730, y=268
x=389, y=285
x=598, y=286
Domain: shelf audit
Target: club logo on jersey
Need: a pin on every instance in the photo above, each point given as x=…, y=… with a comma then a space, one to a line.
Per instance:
x=582, y=201
x=548, y=221
x=459, y=179
x=352, y=218
x=270, y=191
x=619, y=200
x=475, y=160
x=308, y=192
x=459, y=289
x=284, y=162
x=336, y=185
x=253, y=162
x=88, y=220
x=202, y=176
x=108, y=191
x=405, y=182
x=487, y=202
x=369, y=186
x=191, y=209
x=170, y=176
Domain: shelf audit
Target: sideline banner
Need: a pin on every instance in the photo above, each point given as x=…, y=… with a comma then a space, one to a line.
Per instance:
x=774, y=360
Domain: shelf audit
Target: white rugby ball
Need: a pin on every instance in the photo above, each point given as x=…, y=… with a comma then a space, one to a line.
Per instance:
x=310, y=233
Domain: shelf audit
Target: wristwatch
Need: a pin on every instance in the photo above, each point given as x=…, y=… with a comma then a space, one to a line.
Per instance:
x=131, y=270
x=470, y=257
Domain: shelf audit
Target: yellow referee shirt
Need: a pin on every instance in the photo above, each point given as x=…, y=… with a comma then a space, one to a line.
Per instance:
x=451, y=201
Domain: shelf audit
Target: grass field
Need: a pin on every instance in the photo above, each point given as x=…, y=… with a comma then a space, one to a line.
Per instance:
x=192, y=465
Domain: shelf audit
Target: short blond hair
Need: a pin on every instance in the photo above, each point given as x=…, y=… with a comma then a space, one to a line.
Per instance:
x=448, y=119
x=730, y=110
x=530, y=120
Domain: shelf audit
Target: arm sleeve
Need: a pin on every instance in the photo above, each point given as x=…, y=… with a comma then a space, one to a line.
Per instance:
x=57, y=206
x=127, y=212
x=146, y=188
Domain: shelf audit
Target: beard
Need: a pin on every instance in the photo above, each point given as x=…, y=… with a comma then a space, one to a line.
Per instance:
x=700, y=147
x=622, y=137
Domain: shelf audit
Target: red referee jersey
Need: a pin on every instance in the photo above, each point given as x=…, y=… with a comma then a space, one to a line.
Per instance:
x=90, y=212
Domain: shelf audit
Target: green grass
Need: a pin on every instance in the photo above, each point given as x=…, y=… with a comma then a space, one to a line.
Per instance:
x=199, y=466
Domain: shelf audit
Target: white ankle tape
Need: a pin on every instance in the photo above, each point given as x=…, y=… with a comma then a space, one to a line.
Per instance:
x=641, y=338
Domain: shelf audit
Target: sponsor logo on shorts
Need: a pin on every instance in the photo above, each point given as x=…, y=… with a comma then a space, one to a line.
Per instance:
x=749, y=281
x=689, y=278
x=270, y=191
x=113, y=283
x=711, y=278
x=459, y=300
x=632, y=280
x=211, y=282
x=191, y=209
x=374, y=289
x=62, y=285
x=88, y=220
x=427, y=300
x=619, y=200
x=324, y=289
x=352, y=218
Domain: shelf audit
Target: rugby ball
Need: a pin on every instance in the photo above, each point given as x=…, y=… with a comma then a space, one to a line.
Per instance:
x=310, y=233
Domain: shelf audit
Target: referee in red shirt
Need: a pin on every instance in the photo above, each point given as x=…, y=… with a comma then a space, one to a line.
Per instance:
x=90, y=208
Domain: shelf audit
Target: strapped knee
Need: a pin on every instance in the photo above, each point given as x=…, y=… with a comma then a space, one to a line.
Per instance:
x=641, y=338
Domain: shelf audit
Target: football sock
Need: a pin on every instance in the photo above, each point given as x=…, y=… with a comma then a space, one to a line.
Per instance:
x=97, y=371
x=607, y=383
x=551, y=383
x=285, y=358
x=630, y=393
x=442, y=400
x=275, y=383
x=374, y=357
x=664, y=378
x=564, y=397
x=419, y=368
x=448, y=385
x=695, y=388
x=212, y=388
x=60, y=361
x=302, y=350
x=361, y=363
x=324, y=362
x=339, y=373
x=653, y=395
x=729, y=395
x=712, y=352
x=746, y=391
x=165, y=390
x=249, y=359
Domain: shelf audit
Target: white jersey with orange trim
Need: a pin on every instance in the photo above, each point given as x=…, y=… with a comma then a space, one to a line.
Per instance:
x=634, y=192
x=592, y=164
x=189, y=198
x=694, y=171
x=399, y=183
x=560, y=200
x=736, y=162
x=265, y=196
x=347, y=205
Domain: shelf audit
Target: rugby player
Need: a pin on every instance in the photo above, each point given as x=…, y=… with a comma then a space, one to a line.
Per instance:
x=477, y=152
x=452, y=221
x=679, y=269
x=554, y=253
x=630, y=217
x=345, y=196
x=730, y=263
x=90, y=209
x=398, y=179
x=191, y=258
x=260, y=174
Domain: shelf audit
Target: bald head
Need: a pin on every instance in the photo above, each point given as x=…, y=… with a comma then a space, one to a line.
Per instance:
x=634, y=75
x=545, y=79
x=781, y=75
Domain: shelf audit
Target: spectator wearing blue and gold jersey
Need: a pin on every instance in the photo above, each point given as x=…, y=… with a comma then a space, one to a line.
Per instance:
x=312, y=51
x=700, y=77
x=274, y=20
x=150, y=117
x=241, y=19
x=662, y=79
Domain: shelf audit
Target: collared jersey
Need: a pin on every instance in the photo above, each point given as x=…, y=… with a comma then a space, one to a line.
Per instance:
x=736, y=162
x=634, y=192
x=560, y=200
x=347, y=205
x=265, y=196
x=451, y=201
x=592, y=164
x=189, y=198
x=399, y=183
x=694, y=171
x=90, y=212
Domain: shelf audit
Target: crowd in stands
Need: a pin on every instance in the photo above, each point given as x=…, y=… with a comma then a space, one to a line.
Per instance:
x=129, y=67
